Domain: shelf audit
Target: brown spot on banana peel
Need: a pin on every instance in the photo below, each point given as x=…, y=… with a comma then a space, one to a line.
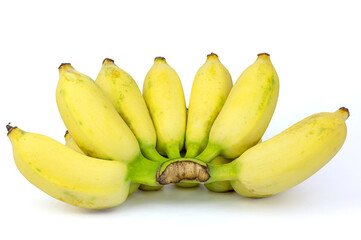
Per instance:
x=10, y=128
x=212, y=54
x=108, y=60
x=346, y=111
x=63, y=64
x=159, y=58
x=259, y=54
x=177, y=171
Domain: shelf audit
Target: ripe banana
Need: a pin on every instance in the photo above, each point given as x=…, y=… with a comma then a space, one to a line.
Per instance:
x=163, y=94
x=67, y=175
x=210, y=89
x=246, y=112
x=127, y=99
x=288, y=158
x=70, y=143
x=91, y=118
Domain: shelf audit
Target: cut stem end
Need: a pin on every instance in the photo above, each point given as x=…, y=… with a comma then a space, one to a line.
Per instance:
x=10, y=128
x=178, y=171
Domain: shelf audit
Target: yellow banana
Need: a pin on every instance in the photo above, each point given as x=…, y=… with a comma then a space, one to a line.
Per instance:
x=127, y=99
x=246, y=112
x=288, y=158
x=163, y=94
x=92, y=120
x=67, y=175
x=210, y=89
x=70, y=143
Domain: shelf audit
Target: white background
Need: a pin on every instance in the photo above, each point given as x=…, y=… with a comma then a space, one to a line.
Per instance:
x=314, y=46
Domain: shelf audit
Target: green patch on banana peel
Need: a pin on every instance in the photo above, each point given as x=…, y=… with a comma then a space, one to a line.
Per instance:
x=133, y=188
x=220, y=186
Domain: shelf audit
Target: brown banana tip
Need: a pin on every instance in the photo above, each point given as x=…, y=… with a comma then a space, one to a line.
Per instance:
x=10, y=128
x=260, y=54
x=63, y=64
x=345, y=110
x=159, y=58
x=66, y=133
x=108, y=60
x=212, y=54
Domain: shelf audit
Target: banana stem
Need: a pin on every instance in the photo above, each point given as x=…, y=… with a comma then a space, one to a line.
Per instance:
x=192, y=151
x=143, y=171
x=147, y=172
x=172, y=151
x=152, y=154
x=222, y=172
x=209, y=153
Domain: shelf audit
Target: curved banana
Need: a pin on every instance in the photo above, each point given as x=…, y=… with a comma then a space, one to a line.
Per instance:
x=70, y=143
x=210, y=89
x=288, y=158
x=246, y=112
x=91, y=118
x=127, y=99
x=67, y=175
x=163, y=94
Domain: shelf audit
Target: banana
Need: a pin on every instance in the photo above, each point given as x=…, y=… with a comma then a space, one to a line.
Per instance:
x=246, y=112
x=288, y=158
x=127, y=99
x=219, y=186
x=66, y=174
x=163, y=94
x=210, y=89
x=92, y=120
x=70, y=143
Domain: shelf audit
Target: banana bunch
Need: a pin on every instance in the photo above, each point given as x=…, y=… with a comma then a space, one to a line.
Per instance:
x=119, y=140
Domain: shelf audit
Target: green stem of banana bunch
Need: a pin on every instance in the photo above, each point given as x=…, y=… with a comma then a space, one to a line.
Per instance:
x=172, y=151
x=152, y=173
x=143, y=171
x=209, y=153
x=192, y=150
x=152, y=154
x=222, y=172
